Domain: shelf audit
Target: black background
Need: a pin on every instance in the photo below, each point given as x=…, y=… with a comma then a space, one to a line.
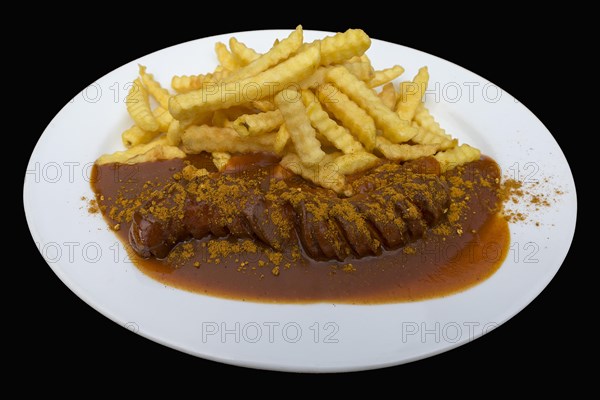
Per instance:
x=526, y=55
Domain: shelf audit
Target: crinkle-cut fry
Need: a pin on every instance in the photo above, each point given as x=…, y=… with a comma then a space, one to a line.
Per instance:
x=135, y=135
x=174, y=132
x=138, y=107
x=404, y=152
x=277, y=53
x=388, y=95
x=199, y=138
x=154, y=88
x=385, y=75
x=317, y=79
x=296, y=120
x=264, y=105
x=256, y=124
x=457, y=156
x=281, y=139
x=314, y=80
x=188, y=83
x=143, y=152
x=425, y=136
x=242, y=53
x=354, y=59
x=358, y=122
x=424, y=119
x=292, y=70
x=160, y=152
x=324, y=174
x=220, y=159
x=388, y=121
x=164, y=118
x=364, y=60
x=362, y=70
x=226, y=59
x=343, y=46
x=218, y=75
x=356, y=162
x=337, y=135
x=177, y=127
x=411, y=94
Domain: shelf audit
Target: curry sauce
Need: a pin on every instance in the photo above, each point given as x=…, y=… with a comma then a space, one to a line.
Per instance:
x=463, y=248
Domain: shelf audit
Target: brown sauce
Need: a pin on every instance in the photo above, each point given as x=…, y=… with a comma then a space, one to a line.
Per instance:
x=434, y=266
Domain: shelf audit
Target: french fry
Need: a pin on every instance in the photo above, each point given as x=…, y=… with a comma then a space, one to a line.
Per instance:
x=264, y=105
x=360, y=124
x=337, y=135
x=135, y=135
x=278, y=52
x=388, y=121
x=457, y=156
x=355, y=59
x=301, y=132
x=177, y=127
x=388, y=95
x=411, y=94
x=163, y=117
x=185, y=83
x=256, y=124
x=301, y=101
x=174, y=133
x=281, y=140
x=314, y=80
x=156, y=150
x=242, y=53
x=343, y=46
x=220, y=159
x=138, y=107
x=404, y=152
x=361, y=70
x=425, y=120
x=324, y=174
x=160, y=152
x=199, y=138
x=357, y=162
x=427, y=137
x=154, y=88
x=294, y=69
x=226, y=59
x=385, y=76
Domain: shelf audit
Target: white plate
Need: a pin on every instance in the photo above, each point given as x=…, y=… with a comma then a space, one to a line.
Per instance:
x=89, y=259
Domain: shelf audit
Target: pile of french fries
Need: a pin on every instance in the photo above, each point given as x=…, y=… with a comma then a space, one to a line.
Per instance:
x=316, y=105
